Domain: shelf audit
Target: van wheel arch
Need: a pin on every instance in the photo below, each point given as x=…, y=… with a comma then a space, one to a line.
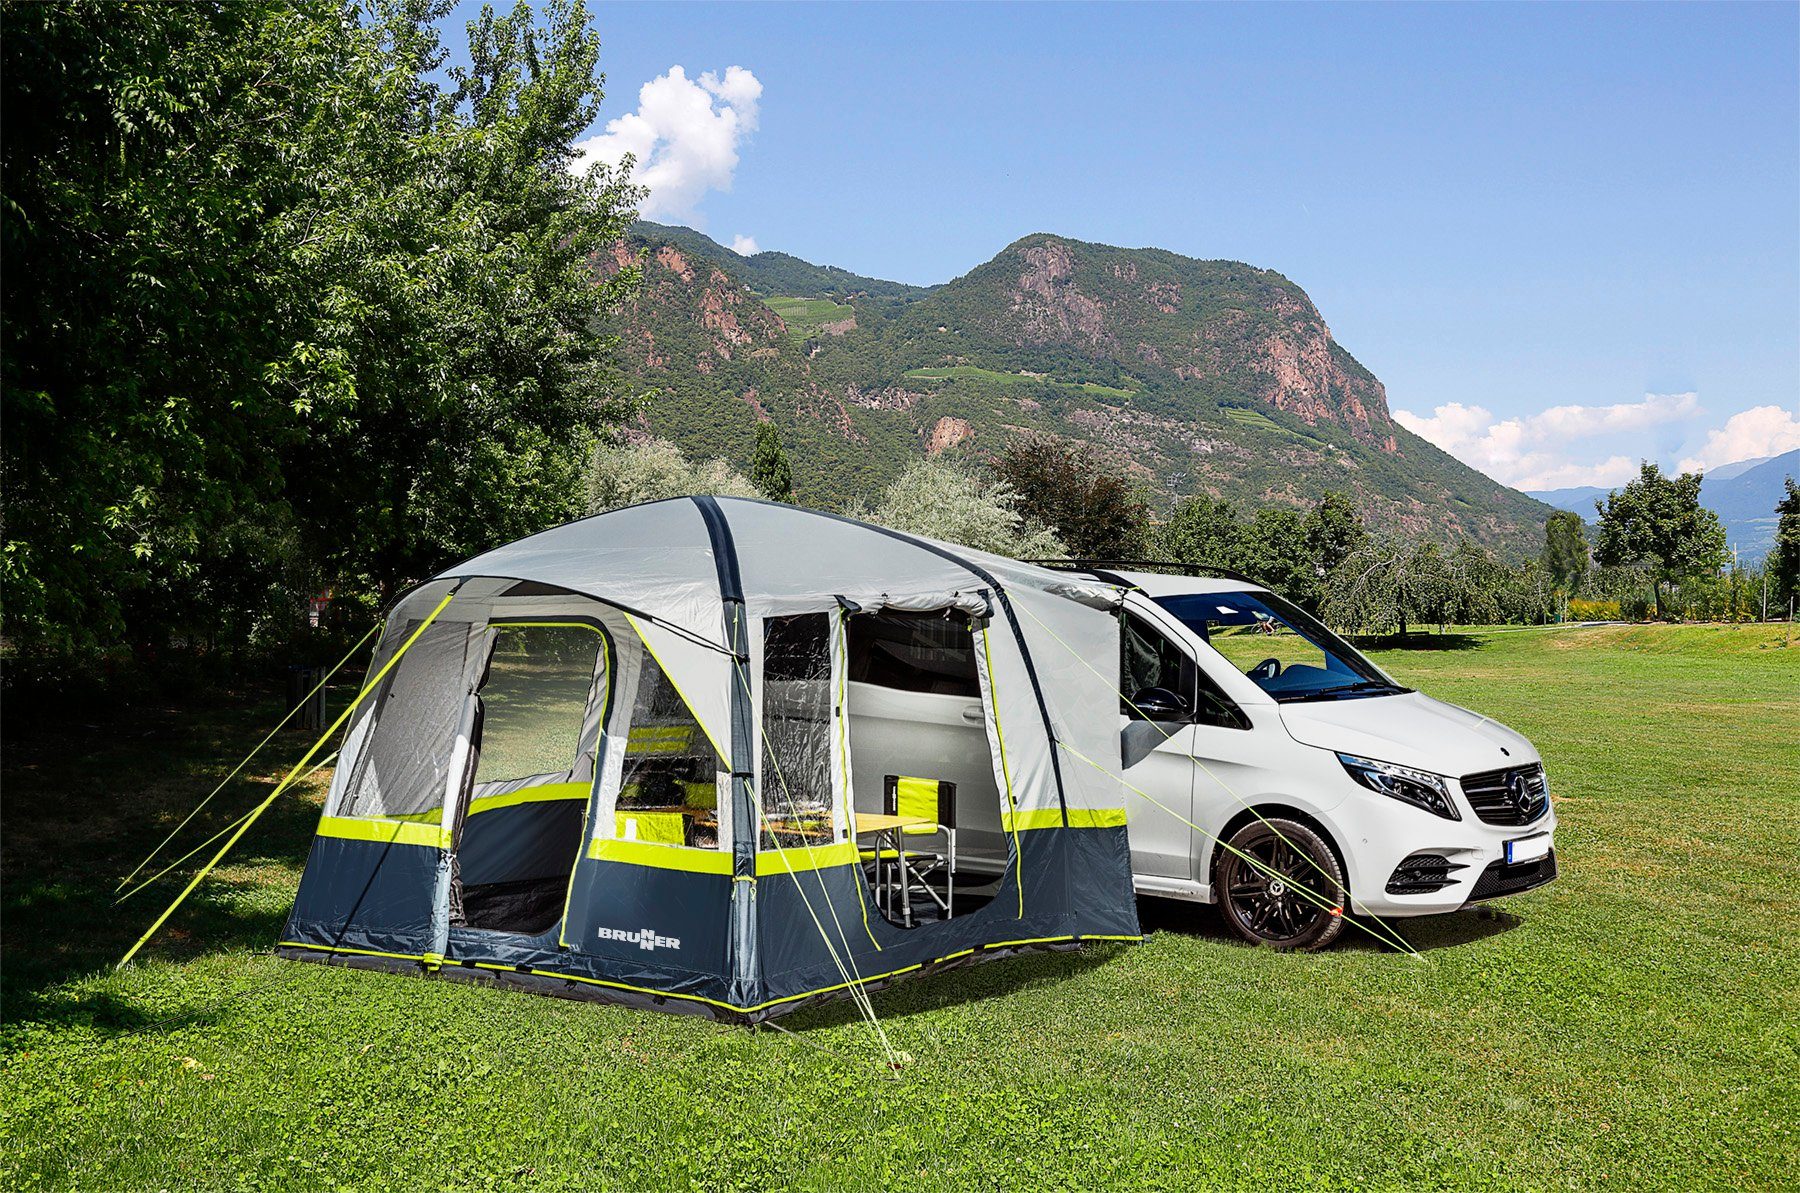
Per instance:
x=1268, y=812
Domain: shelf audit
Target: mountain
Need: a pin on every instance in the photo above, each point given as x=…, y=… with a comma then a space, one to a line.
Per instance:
x=1579, y=499
x=774, y=273
x=1725, y=472
x=1195, y=375
x=1742, y=493
x=1745, y=498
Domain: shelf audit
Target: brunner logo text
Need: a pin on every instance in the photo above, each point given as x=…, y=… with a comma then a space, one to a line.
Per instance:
x=643, y=938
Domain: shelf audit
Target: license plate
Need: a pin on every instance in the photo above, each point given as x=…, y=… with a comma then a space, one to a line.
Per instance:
x=1527, y=849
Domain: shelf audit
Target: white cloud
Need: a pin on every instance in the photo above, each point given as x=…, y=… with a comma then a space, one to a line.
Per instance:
x=1758, y=431
x=744, y=246
x=1532, y=452
x=684, y=138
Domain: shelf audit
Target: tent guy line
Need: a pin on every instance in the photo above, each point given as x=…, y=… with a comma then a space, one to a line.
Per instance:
x=283, y=785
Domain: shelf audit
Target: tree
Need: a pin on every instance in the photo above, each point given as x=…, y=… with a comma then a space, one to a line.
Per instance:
x=1390, y=582
x=1202, y=530
x=769, y=467
x=942, y=501
x=1469, y=588
x=1091, y=506
x=1659, y=522
x=1275, y=553
x=1565, y=556
x=622, y=474
x=1334, y=532
x=284, y=310
x=1784, y=559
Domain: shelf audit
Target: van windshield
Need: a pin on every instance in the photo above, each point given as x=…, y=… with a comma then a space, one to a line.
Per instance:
x=1285, y=650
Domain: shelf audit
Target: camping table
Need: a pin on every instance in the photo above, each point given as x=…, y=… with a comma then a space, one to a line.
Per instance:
x=887, y=828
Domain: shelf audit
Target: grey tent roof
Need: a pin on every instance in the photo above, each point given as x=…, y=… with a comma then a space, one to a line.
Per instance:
x=659, y=558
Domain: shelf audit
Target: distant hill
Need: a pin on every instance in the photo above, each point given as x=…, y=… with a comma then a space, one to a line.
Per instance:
x=776, y=273
x=1743, y=494
x=1579, y=499
x=1210, y=376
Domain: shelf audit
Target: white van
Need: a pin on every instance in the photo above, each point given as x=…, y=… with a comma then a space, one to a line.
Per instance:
x=1248, y=718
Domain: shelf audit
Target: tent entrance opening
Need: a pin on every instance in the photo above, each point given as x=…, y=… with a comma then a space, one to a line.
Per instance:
x=537, y=713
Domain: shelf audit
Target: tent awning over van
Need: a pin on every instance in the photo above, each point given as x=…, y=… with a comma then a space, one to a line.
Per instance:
x=700, y=697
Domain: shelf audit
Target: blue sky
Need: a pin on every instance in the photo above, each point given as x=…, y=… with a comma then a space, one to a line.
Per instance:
x=1565, y=237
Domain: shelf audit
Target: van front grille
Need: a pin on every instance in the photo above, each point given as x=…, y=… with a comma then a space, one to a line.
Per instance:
x=1516, y=795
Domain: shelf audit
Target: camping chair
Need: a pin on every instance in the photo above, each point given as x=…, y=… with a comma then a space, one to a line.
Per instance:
x=660, y=739
x=931, y=800
x=658, y=828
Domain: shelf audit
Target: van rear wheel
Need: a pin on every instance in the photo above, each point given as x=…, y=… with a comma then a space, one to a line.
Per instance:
x=1279, y=884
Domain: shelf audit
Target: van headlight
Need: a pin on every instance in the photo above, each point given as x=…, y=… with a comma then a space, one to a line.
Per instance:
x=1420, y=788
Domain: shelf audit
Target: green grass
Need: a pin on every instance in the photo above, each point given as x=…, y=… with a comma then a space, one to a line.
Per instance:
x=1262, y=422
x=971, y=372
x=1634, y=1024
x=805, y=316
x=1251, y=418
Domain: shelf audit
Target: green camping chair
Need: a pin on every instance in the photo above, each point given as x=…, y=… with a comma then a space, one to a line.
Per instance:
x=933, y=801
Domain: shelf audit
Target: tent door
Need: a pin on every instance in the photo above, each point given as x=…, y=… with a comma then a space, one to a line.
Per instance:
x=517, y=822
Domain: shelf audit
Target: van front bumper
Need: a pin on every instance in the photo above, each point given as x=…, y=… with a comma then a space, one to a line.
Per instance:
x=1431, y=867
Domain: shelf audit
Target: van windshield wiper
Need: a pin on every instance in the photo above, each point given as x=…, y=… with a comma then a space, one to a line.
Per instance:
x=1369, y=686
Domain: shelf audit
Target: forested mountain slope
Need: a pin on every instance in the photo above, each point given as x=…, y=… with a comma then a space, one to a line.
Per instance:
x=1196, y=375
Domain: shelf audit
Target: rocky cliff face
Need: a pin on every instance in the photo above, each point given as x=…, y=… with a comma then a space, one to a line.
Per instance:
x=1185, y=320
x=1197, y=375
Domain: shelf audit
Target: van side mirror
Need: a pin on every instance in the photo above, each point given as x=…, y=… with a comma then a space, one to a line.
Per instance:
x=1160, y=704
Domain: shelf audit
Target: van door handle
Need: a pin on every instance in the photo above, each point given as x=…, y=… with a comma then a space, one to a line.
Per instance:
x=973, y=716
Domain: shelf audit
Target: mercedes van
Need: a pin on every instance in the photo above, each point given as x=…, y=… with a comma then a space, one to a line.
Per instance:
x=1246, y=716
x=1243, y=721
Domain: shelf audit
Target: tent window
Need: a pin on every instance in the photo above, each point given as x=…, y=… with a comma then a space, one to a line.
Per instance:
x=672, y=776
x=405, y=762
x=797, y=788
x=914, y=652
x=534, y=700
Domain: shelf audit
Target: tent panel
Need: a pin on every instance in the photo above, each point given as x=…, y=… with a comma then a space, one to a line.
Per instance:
x=655, y=558
x=655, y=919
x=1068, y=874
x=365, y=895
x=1074, y=655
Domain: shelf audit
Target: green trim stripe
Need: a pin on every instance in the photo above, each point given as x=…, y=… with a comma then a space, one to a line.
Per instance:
x=714, y=861
x=1037, y=818
x=547, y=793
x=384, y=832
x=806, y=857
x=663, y=857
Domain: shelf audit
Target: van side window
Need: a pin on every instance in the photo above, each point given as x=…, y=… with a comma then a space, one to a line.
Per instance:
x=1149, y=660
x=913, y=652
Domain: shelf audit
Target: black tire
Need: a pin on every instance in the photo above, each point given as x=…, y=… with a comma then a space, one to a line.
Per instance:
x=1259, y=901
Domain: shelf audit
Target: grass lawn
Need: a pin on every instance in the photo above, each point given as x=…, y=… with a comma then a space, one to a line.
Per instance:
x=805, y=316
x=1635, y=1024
x=953, y=372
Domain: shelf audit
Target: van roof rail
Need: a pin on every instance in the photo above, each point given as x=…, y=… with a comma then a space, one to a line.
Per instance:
x=1188, y=569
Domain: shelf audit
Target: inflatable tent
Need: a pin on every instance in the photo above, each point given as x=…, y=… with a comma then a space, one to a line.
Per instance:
x=653, y=756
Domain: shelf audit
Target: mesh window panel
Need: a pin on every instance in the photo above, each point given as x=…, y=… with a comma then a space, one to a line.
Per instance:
x=914, y=652
x=796, y=783
x=669, y=792
x=406, y=759
x=534, y=700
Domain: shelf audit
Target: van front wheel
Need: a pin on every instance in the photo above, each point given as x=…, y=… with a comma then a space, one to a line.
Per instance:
x=1279, y=884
